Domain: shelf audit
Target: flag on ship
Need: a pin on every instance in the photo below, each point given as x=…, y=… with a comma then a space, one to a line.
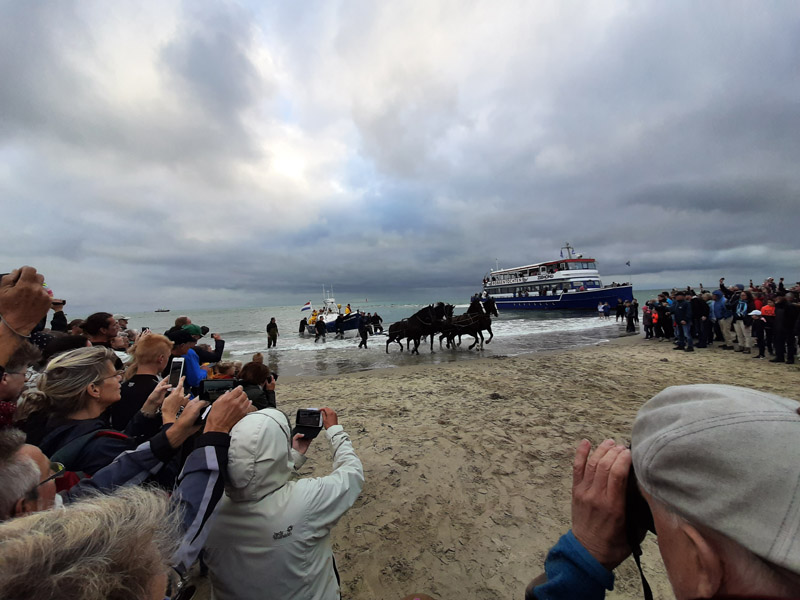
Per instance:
x=306, y=306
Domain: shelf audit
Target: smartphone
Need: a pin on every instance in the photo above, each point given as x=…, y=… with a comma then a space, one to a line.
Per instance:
x=175, y=371
x=308, y=422
x=211, y=389
x=145, y=329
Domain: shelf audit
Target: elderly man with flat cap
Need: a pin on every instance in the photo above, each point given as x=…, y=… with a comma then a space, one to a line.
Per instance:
x=719, y=469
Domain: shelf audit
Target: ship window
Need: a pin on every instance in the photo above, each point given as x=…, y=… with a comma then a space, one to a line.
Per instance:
x=592, y=265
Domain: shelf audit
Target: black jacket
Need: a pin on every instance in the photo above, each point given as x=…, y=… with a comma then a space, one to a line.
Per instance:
x=699, y=308
x=682, y=311
x=53, y=433
x=211, y=357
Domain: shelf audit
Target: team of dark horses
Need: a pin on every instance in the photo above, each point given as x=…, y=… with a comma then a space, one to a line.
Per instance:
x=438, y=319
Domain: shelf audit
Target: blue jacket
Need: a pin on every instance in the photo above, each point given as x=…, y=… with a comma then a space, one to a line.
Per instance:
x=719, y=310
x=191, y=369
x=573, y=573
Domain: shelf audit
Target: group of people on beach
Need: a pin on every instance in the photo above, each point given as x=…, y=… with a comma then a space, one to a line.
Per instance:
x=368, y=324
x=758, y=320
x=115, y=480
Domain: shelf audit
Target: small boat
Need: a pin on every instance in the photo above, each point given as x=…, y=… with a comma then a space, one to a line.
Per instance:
x=569, y=283
x=330, y=312
x=161, y=310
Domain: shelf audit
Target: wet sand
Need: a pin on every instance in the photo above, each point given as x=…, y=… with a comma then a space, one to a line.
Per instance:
x=468, y=465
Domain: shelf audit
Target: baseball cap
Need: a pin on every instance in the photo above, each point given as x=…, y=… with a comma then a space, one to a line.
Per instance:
x=727, y=458
x=754, y=313
x=193, y=330
x=123, y=317
x=179, y=336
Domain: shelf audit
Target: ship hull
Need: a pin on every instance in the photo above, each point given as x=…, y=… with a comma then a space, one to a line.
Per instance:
x=586, y=300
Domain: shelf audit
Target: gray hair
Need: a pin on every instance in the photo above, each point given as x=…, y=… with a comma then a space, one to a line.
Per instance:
x=61, y=389
x=98, y=548
x=19, y=475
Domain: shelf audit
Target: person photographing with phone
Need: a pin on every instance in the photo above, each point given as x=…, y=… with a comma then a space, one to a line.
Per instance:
x=271, y=536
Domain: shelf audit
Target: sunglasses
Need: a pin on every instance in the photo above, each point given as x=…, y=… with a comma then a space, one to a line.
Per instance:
x=58, y=470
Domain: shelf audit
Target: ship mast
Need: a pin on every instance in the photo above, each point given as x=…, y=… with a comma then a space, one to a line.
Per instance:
x=569, y=249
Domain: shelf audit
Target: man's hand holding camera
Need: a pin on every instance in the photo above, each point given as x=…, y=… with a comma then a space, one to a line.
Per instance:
x=598, y=501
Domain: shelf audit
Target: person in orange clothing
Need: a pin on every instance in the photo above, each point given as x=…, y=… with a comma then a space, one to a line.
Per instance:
x=768, y=312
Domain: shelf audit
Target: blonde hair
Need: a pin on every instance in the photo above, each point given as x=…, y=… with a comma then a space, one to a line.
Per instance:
x=61, y=389
x=258, y=358
x=103, y=547
x=225, y=368
x=146, y=351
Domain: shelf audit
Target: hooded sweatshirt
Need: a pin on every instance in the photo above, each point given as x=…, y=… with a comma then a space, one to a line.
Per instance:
x=718, y=309
x=271, y=536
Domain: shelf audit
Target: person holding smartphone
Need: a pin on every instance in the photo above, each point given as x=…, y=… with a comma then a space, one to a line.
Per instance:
x=271, y=537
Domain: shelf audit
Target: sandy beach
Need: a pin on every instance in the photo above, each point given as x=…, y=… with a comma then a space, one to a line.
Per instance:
x=468, y=465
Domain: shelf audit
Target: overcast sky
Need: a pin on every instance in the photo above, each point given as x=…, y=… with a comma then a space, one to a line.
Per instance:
x=205, y=154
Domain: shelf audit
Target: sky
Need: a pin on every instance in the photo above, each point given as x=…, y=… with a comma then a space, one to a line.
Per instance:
x=223, y=154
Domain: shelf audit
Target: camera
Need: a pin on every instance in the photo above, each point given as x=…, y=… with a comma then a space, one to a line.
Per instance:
x=638, y=517
x=212, y=389
x=308, y=422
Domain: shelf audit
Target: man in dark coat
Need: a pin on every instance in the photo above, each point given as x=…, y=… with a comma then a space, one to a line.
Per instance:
x=786, y=313
x=320, y=328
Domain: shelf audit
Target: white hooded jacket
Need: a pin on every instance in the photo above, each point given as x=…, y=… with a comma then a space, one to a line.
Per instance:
x=271, y=536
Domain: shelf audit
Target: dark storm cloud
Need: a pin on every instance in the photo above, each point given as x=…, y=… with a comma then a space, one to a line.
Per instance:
x=216, y=153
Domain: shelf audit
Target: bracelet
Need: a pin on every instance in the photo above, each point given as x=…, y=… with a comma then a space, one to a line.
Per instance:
x=14, y=331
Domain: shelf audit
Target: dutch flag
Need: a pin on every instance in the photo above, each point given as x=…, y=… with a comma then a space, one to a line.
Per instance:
x=306, y=306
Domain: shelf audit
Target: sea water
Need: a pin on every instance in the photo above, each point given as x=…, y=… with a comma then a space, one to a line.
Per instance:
x=515, y=333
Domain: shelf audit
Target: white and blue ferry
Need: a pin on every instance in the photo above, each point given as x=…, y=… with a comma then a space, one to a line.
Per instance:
x=569, y=283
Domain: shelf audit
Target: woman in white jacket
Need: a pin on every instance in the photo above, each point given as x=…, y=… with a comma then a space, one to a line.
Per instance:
x=271, y=536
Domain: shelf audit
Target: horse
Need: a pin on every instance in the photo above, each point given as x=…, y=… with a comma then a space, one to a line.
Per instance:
x=424, y=322
x=473, y=322
x=397, y=332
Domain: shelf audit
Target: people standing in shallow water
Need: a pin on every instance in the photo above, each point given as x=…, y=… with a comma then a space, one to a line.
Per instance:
x=620, y=310
x=319, y=326
x=377, y=323
x=272, y=333
x=629, y=318
x=303, y=324
x=339, y=325
x=362, y=331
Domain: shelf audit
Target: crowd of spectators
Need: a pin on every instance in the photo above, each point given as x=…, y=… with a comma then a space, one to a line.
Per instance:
x=758, y=320
x=111, y=479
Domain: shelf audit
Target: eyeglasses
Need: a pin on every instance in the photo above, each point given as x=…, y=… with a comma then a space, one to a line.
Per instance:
x=58, y=470
x=119, y=373
x=27, y=374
